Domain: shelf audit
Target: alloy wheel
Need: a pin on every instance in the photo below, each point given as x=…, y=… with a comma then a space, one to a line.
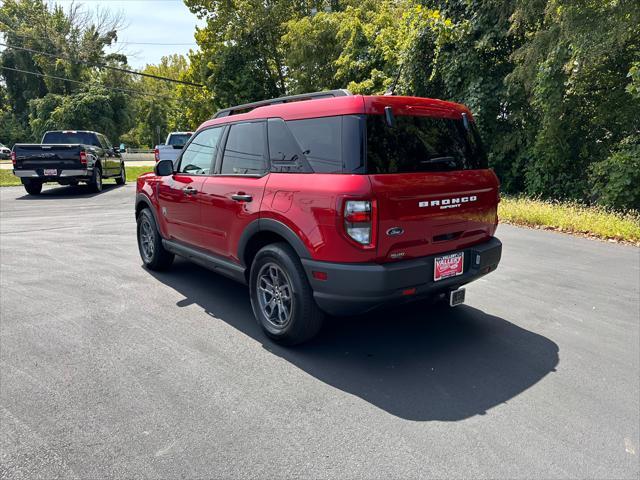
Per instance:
x=275, y=295
x=147, y=238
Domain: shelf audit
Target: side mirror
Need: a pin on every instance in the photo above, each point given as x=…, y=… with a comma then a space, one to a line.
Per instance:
x=164, y=168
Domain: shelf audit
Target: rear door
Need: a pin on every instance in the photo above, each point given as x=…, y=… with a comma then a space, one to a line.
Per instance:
x=231, y=198
x=180, y=194
x=111, y=159
x=433, y=188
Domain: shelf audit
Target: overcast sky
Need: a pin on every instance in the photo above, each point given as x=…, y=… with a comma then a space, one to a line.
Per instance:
x=149, y=21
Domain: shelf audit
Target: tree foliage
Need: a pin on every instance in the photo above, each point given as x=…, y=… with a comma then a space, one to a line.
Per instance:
x=553, y=84
x=71, y=41
x=158, y=111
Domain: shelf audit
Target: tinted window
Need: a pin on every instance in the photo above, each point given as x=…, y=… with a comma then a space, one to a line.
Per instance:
x=179, y=140
x=284, y=152
x=422, y=144
x=103, y=142
x=198, y=157
x=106, y=140
x=321, y=142
x=84, y=138
x=244, y=151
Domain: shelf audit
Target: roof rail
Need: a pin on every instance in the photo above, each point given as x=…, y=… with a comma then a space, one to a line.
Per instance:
x=225, y=112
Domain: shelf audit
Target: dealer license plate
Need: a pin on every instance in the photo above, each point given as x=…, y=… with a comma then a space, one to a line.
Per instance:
x=448, y=266
x=50, y=171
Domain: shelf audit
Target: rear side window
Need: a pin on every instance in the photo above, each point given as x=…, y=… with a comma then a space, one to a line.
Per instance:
x=422, y=144
x=284, y=152
x=244, y=152
x=321, y=142
x=103, y=142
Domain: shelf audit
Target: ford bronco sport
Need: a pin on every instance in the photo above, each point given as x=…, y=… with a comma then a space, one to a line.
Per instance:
x=327, y=203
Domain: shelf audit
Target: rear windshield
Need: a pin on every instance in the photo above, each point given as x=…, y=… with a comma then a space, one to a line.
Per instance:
x=84, y=138
x=422, y=144
x=179, y=140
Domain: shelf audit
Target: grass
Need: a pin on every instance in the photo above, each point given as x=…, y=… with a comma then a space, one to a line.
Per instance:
x=571, y=218
x=8, y=179
x=135, y=172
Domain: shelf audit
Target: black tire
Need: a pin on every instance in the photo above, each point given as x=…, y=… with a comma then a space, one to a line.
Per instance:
x=153, y=254
x=95, y=184
x=121, y=179
x=33, y=187
x=305, y=318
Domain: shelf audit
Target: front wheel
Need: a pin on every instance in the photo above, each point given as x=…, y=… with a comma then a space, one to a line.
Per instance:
x=281, y=297
x=153, y=253
x=33, y=187
x=122, y=178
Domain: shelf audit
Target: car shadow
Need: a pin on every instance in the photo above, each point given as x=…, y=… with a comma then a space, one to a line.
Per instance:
x=418, y=362
x=69, y=191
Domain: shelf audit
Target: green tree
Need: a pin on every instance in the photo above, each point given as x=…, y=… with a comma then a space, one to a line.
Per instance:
x=573, y=73
x=70, y=41
x=159, y=110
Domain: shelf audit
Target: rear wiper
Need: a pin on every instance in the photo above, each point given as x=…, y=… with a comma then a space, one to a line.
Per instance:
x=439, y=160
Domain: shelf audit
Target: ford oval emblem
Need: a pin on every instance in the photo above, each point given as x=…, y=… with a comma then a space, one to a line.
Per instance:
x=394, y=231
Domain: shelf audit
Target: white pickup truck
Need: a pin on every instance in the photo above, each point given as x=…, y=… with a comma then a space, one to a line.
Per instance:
x=171, y=148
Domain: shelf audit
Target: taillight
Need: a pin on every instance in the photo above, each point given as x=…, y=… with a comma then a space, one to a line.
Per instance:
x=359, y=221
x=83, y=158
x=156, y=154
x=13, y=158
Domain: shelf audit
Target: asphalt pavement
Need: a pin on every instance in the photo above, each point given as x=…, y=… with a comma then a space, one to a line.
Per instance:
x=108, y=370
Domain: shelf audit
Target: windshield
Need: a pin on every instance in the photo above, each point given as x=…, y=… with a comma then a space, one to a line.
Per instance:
x=84, y=138
x=179, y=139
x=422, y=144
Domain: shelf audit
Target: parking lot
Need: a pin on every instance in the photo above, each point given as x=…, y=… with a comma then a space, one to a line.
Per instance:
x=110, y=370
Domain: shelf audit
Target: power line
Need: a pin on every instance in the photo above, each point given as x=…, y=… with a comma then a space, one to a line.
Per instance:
x=116, y=42
x=154, y=43
x=124, y=90
x=102, y=65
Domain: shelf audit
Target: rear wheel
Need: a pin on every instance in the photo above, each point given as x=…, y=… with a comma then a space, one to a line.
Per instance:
x=95, y=184
x=153, y=253
x=281, y=297
x=122, y=178
x=33, y=187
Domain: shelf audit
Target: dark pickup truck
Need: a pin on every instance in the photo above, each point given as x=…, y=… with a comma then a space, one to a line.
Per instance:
x=67, y=157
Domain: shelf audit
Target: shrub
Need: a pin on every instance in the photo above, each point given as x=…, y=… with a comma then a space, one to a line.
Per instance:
x=615, y=182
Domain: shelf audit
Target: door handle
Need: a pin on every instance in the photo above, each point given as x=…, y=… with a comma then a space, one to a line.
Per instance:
x=241, y=197
x=189, y=191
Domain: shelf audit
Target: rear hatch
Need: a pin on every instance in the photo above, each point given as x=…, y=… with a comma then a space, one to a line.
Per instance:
x=49, y=156
x=430, y=178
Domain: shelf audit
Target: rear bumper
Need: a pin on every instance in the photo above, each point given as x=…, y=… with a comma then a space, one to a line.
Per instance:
x=352, y=289
x=39, y=174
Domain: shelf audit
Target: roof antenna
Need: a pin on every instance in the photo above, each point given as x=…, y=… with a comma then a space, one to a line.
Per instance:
x=392, y=88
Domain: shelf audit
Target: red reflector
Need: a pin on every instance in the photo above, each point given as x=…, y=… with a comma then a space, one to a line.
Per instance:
x=319, y=275
x=358, y=217
x=409, y=291
x=13, y=158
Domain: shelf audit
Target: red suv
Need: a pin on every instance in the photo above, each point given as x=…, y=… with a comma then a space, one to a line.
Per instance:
x=327, y=203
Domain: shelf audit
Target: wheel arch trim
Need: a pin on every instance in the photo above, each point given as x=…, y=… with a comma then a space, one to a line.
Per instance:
x=274, y=226
x=141, y=198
